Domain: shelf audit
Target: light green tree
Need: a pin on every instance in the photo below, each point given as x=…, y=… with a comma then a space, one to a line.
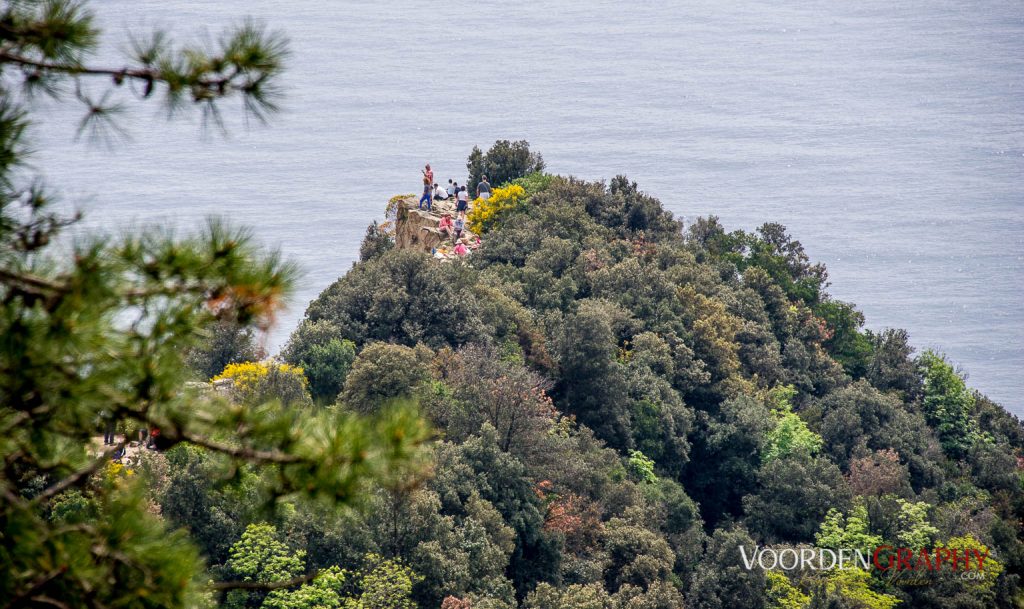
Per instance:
x=947, y=404
x=380, y=584
x=576, y=596
x=259, y=557
x=853, y=586
x=849, y=531
x=641, y=467
x=782, y=594
x=327, y=591
x=790, y=435
x=915, y=531
x=386, y=584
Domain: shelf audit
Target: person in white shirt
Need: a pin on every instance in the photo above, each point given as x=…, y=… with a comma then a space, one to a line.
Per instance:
x=463, y=205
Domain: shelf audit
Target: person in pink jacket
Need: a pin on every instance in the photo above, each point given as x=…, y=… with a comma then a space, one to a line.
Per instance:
x=445, y=226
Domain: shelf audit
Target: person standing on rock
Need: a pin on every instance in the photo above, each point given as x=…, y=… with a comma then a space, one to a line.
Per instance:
x=463, y=203
x=483, y=189
x=109, y=428
x=428, y=180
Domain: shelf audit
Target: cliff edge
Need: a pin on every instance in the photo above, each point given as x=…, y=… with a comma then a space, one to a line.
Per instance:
x=416, y=229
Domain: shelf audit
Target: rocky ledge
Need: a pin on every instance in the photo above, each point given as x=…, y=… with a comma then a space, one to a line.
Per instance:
x=416, y=229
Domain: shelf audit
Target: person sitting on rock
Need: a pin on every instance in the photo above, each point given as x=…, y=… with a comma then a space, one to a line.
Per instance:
x=460, y=249
x=453, y=187
x=440, y=193
x=460, y=224
x=445, y=226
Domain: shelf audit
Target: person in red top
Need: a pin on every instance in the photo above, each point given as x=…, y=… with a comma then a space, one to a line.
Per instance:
x=428, y=194
x=445, y=226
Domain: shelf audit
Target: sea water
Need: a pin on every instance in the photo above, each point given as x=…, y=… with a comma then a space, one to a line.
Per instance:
x=888, y=136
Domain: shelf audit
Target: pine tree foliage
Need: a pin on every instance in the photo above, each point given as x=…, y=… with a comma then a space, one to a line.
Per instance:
x=100, y=333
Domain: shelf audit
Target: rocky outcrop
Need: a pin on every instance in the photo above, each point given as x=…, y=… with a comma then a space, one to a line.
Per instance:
x=416, y=229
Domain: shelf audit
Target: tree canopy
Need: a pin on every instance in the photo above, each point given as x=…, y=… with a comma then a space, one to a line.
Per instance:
x=101, y=332
x=596, y=409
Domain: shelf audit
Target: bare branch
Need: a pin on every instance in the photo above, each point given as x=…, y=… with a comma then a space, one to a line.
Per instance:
x=240, y=585
x=30, y=284
x=147, y=75
x=241, y=452
x=20, y=598
x=47, y=600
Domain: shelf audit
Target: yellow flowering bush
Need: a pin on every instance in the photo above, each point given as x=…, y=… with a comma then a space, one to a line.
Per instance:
x=115, y=471
x=258, y=382
x=244, y=374
x=486, y=213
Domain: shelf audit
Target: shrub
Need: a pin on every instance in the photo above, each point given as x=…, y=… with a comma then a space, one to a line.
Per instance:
x=226, y=342
x=505, y=161
x=377, y=242
x=383, y=372
x=487, y=213
x=641, y=467
x=948, y=404
x=326, y=359
x=790, y=434
x=260, y=382
x=535, y=182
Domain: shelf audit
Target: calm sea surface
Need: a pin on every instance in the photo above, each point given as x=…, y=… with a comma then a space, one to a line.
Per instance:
x=888, y=136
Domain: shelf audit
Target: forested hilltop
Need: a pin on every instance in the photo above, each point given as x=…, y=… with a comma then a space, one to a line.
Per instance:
x=594, y=409
x=620, y=404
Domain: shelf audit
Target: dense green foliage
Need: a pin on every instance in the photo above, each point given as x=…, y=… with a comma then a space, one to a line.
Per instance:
x=325, y=359
x=227, y=342
x=101, y=333
x=504, y=162
x=631, y=402
x=618, y=404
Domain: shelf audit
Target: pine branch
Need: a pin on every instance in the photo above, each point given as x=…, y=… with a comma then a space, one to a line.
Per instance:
x=147, y=75
x=77, y=477
x=30, y=284
x=240, y=452
x=21, y=598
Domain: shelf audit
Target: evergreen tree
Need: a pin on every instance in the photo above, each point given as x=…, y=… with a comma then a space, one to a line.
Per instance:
x=948, y=404
x=504, y=162
x=102, y=332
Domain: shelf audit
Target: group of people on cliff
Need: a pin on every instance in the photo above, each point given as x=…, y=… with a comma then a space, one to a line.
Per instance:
x=448, y=226
x=432, y=190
